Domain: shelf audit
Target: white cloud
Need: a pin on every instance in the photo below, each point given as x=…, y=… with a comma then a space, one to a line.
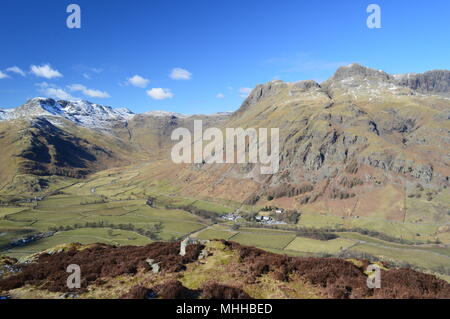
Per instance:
x=88, y=92
x=86, y=71
x=59, y=94
x=160, y=94
x=180, y=74
x=16, y=69
x=220, y=96
x=45, y=71
x=54, y=92
x=245, y=92
x=138, y=81
x=3, y=75
x=96, y=70
x=43, y=85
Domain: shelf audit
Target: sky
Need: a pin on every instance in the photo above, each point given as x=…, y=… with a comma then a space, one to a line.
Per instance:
x=204, y=56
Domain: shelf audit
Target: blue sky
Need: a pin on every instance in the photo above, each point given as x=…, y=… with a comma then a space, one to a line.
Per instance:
x=225, y=47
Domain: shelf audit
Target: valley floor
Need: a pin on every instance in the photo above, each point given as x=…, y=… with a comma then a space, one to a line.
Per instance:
x=111, y=207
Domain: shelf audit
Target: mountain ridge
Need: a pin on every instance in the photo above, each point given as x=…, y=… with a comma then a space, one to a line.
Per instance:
x=82, y=112
x=341, y=141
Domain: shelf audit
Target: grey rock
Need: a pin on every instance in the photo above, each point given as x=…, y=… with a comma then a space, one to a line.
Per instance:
x=262, y=91
x=203, y=254
x=437, y=81
x=307, y=85
x=359, y=71
x=155, y=266
x=189, y=241
x=69, y=295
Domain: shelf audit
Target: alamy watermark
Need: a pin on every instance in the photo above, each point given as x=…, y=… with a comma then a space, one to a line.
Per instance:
x=238, y=146
x=374, y=19
x=374, y=278
x=74, y=279
x=74, y=19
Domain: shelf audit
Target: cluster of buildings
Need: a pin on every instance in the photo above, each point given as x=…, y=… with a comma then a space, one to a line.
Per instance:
x=267, y=220
x=231, y=217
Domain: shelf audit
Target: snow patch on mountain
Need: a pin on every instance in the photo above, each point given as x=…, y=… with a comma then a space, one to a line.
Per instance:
x=164, y=114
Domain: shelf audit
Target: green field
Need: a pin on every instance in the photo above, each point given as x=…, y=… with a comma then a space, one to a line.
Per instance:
x=317, y=246
x=277, y=240
x=420, y=258
x=120, y=200
x=83, y=236
x=407, y=230
x=216, y=232
x=75, y=211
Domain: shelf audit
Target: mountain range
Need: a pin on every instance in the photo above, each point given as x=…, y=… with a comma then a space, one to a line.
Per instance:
x=362, y=143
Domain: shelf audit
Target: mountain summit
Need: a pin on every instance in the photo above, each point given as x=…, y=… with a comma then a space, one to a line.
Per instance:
x=359, y=76
x=358, y=71
x=81, y=112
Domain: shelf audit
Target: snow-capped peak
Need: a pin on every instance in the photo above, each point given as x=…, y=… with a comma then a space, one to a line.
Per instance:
x=84, y=111
x=81, y=112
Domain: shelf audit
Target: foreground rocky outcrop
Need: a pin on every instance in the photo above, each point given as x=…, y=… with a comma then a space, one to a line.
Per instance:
x=228, y=271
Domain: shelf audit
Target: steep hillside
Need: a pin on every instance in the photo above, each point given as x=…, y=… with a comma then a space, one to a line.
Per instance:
x=34, y=150
x=44, y=139
x=152, y=131
x=437, y=81
x=360, y=143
